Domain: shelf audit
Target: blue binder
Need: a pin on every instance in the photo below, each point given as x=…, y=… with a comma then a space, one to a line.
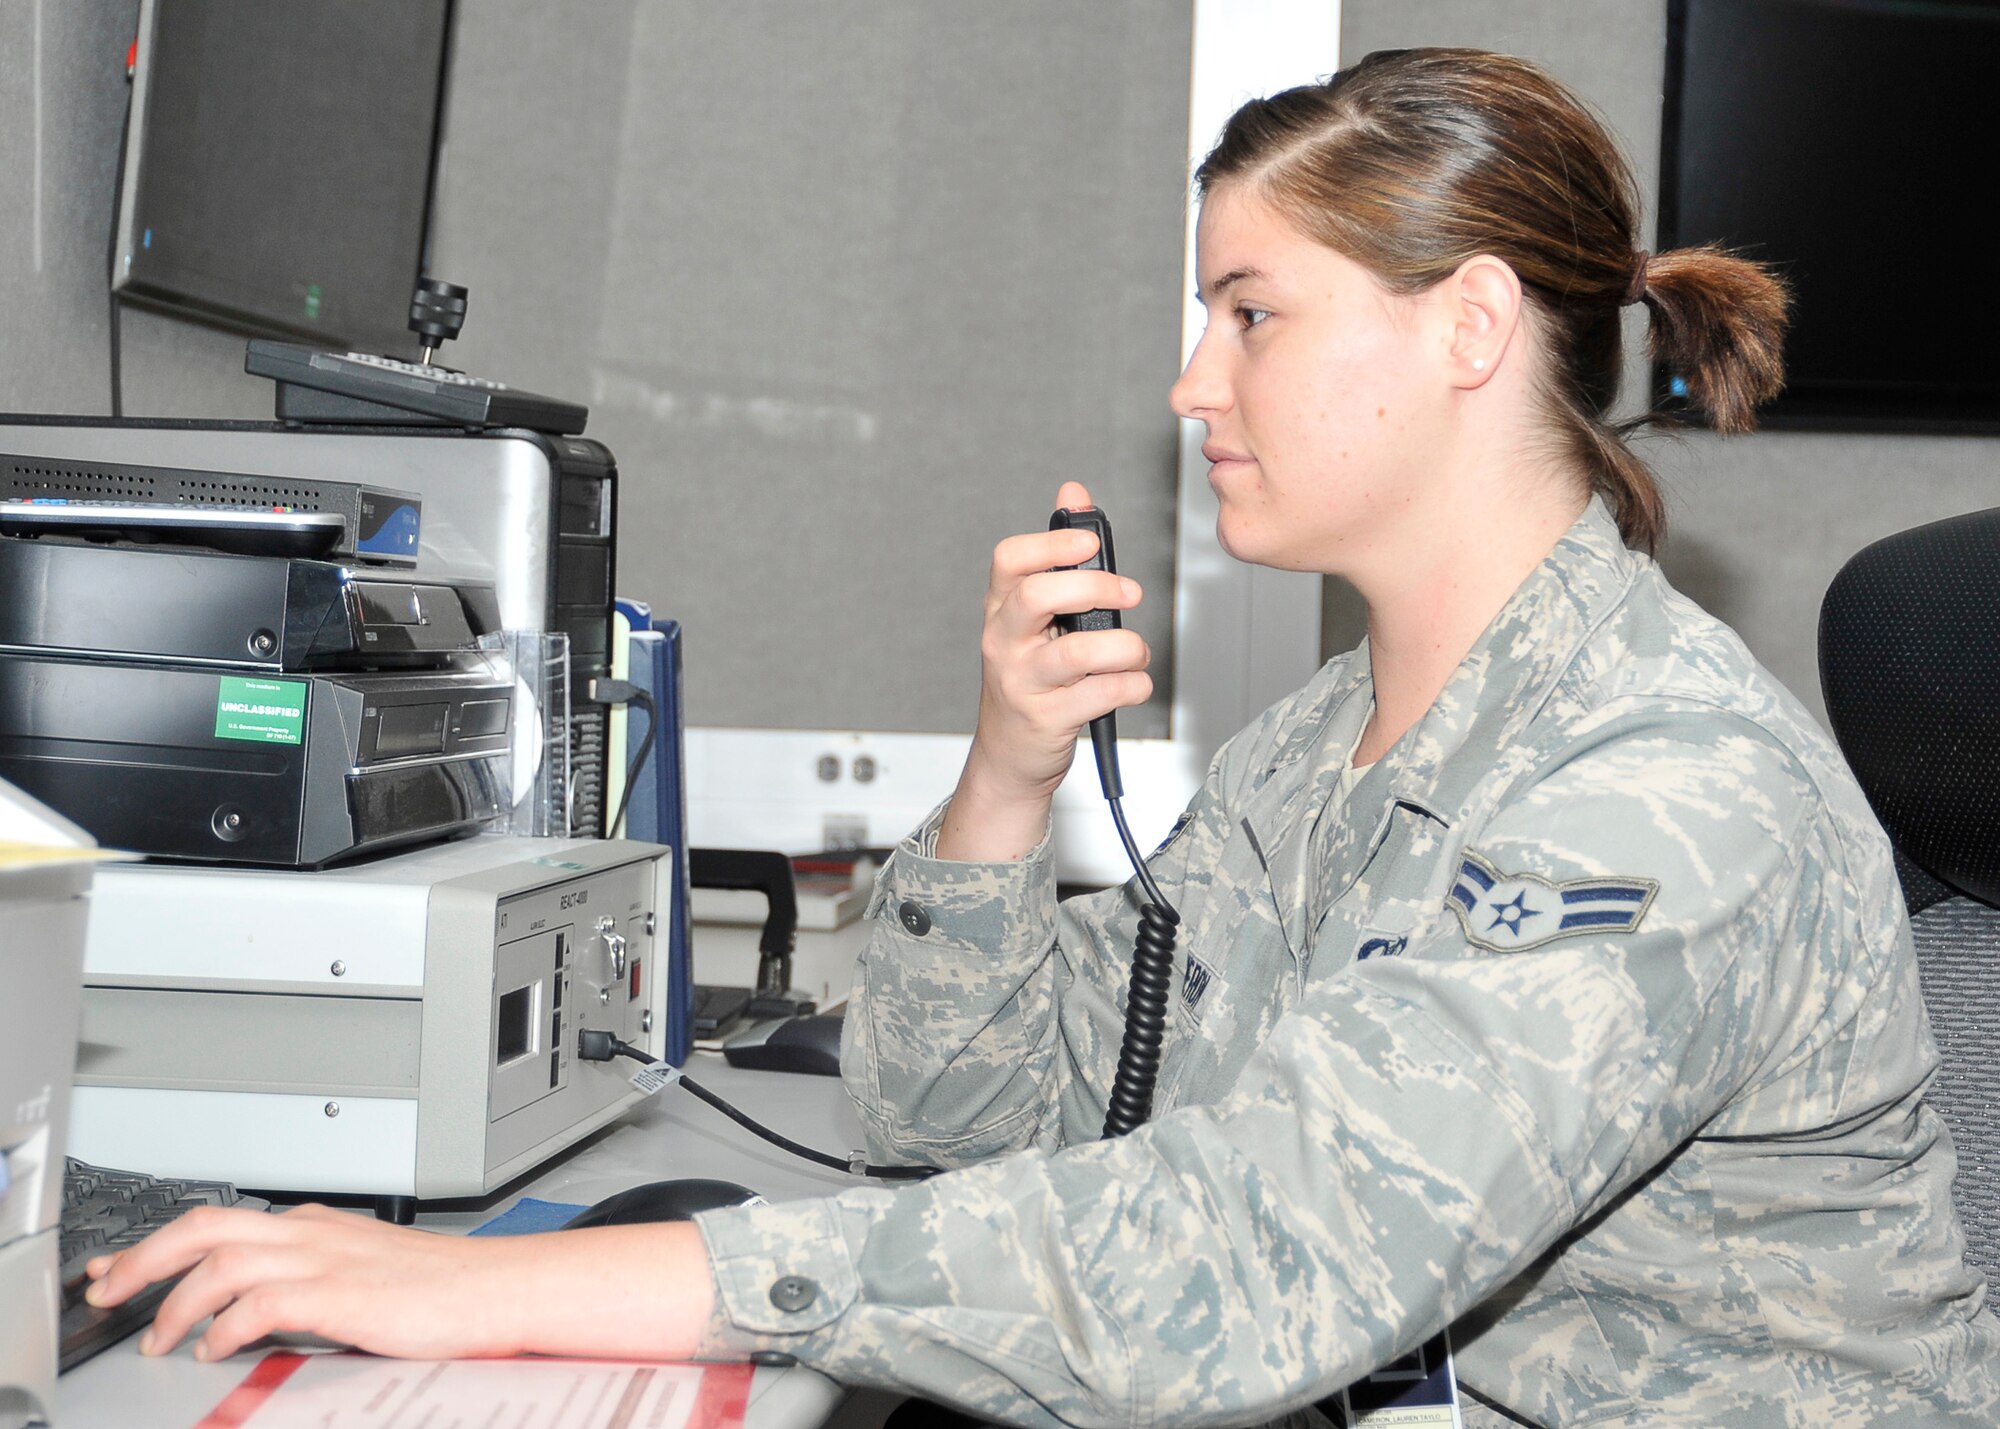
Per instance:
x=657, y=811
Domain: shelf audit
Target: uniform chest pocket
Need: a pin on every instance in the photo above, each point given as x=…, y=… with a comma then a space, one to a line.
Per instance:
x=1226, y=969
x=1225, y=1000
x=1378, y=913
x=1349, y=936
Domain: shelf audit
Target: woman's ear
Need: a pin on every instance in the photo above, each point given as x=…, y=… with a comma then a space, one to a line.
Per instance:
x=1482, y=311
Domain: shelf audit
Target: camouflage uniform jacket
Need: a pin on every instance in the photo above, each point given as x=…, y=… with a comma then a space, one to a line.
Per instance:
x=1590, y=1025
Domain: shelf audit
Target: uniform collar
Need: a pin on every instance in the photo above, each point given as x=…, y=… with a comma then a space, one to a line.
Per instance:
x=1500, y=686
x=1513, y=668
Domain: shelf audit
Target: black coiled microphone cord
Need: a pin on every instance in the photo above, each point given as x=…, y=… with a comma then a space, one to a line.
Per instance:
x=1146, y=997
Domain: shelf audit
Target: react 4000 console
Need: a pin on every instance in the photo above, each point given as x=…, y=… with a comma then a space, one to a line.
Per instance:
x=401, y=1029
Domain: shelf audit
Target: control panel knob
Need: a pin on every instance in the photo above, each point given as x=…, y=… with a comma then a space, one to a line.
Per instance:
x=437, y=313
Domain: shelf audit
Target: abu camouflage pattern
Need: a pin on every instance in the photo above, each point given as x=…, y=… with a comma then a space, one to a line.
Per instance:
x=1667, y=1166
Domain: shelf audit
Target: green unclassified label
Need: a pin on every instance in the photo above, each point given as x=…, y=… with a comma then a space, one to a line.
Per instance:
x=267, y=711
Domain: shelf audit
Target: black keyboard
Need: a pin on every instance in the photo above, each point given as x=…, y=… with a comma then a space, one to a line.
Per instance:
x=329, y=386
x=105, y=1210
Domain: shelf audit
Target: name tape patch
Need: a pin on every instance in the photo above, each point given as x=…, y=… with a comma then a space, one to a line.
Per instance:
x=1196, y=979
x=1507, y=912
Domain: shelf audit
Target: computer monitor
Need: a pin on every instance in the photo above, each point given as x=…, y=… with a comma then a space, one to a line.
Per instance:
x=278, y=162
x=1843, y=141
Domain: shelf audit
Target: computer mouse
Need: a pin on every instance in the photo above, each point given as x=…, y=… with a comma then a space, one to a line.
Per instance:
x=663, y=1201
x=796, y=1044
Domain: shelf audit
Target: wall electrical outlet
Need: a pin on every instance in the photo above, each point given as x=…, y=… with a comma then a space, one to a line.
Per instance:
x=844, y=831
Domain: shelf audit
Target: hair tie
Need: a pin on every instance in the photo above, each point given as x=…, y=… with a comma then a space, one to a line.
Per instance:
x=1635, y=287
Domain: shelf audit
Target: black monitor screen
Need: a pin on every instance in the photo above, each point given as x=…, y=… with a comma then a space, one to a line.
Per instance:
x=279, y=163
x=1846, y=141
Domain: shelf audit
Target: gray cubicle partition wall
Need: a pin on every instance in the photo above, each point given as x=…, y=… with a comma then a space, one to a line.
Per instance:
x=864, y=282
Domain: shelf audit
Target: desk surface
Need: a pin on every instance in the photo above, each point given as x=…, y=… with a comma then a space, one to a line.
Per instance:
x=670, y=1135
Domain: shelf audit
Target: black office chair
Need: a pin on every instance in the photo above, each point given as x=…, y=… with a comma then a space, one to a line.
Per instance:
x=1909, y=659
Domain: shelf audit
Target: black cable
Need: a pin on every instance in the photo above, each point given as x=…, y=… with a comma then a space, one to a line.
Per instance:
x=1146, y=995
x=597, y=1045
x=117, y=375
x=1153, y=894
x=111, y=259
x=886, y=1173
x=615, y=692
x=645, y=702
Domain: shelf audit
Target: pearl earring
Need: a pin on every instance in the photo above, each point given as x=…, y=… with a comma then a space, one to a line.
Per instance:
x=1478, y=364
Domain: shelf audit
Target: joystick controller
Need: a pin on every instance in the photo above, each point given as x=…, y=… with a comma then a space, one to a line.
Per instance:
x=437, y=313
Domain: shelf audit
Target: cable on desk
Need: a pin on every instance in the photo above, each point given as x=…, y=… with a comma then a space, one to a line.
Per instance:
x=594, y=1044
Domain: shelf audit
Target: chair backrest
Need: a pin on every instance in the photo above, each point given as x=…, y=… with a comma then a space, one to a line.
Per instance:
x=1958, y=955
x=1909, y=659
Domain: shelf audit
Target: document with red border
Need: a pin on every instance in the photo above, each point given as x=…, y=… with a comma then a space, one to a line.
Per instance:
x=289, y=1390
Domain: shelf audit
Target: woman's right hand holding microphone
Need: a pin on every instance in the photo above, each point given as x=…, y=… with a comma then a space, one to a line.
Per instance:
x=1039, y=688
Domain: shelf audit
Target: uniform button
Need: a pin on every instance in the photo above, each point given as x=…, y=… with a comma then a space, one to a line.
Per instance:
x=794, y=1293
x=914, y=918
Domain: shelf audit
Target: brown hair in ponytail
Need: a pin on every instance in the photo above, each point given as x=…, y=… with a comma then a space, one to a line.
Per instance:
x=1412, y=161
x=1719, y=321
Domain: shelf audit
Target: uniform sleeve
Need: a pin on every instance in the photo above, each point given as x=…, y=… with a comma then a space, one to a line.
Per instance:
x=985, y=1016
x=1412, y=1136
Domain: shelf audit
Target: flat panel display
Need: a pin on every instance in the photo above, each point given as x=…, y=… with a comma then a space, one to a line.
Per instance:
x=1846, y=141
x=278, y=164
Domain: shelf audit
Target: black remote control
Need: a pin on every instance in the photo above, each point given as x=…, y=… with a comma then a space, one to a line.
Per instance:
x=1088, y=519
x=1103, y=729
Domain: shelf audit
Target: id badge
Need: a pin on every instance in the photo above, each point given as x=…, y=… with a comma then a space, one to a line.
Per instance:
x=1418, y=1391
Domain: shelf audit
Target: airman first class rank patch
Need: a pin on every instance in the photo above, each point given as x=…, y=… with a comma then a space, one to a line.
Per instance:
x=1506, y=912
